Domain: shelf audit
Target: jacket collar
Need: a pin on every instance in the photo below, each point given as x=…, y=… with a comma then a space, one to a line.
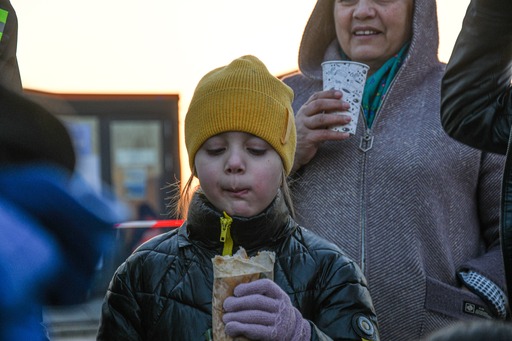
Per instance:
x=263, y=231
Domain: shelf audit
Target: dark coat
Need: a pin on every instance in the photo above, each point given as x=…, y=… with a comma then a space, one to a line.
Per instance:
x=164, y=290
x=9, y=70
x=476, y=106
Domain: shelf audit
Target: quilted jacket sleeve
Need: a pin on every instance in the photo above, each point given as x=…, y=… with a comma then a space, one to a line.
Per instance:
x=120, y=314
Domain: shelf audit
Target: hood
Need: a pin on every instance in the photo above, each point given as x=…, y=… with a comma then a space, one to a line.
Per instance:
x=29, y=133
x=319, y=41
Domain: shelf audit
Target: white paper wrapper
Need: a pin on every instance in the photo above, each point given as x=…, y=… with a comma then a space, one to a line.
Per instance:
x=228, y=272
x=349, y=78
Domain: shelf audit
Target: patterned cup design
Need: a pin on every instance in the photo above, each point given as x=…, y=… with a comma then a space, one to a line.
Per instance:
x=349, y=78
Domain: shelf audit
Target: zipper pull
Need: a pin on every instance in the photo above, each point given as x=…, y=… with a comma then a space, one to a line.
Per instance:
x=366, y=142
x=225, y=234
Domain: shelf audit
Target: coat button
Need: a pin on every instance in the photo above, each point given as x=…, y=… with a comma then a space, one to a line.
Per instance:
x=365, y=325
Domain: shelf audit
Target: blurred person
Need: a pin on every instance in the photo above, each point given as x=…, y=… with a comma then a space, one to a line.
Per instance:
x=240, y=137
x=9, y=70
x=476, y=106
x=54, y=227
x=484, y=330
x=417, y=211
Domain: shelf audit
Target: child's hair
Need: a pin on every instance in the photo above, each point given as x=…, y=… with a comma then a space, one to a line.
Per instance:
x=477, y=330
x=241, y=96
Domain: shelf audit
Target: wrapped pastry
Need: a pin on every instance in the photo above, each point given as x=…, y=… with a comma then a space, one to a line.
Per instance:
x=228, y=272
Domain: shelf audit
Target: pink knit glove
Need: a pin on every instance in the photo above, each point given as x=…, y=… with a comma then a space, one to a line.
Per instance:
x=261, y=310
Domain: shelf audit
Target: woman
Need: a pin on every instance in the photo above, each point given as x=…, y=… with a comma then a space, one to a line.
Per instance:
x=417, y=210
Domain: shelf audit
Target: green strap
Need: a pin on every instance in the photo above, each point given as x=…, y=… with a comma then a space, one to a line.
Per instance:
x=3, y=20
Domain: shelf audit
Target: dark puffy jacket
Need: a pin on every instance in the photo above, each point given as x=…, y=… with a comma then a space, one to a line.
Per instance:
x=476, y=102
x=164, y=290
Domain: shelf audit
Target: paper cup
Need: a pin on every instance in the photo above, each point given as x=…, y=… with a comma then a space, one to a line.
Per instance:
x=349, y=78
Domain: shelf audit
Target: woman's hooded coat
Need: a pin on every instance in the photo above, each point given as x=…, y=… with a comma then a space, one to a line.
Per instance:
x=412, y=206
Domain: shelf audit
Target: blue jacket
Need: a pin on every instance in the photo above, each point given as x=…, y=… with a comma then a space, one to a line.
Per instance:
x=54, y=231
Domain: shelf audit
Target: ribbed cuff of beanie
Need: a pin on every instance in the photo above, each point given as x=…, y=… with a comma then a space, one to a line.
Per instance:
x=487, y=290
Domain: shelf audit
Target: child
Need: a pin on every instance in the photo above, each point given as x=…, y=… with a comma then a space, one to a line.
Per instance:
x=240, y=137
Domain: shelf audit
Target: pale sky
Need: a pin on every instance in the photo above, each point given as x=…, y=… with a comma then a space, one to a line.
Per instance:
x=165, y=46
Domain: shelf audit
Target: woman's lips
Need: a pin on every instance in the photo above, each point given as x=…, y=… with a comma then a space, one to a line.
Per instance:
x=365, y=33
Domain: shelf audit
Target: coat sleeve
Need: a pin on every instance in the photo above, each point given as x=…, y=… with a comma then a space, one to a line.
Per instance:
x=120, y=313
x=475, y=94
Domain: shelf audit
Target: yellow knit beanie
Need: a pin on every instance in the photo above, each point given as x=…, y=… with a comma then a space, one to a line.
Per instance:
x=242, y=96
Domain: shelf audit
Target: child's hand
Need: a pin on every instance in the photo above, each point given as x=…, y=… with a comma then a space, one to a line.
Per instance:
x=261, y=310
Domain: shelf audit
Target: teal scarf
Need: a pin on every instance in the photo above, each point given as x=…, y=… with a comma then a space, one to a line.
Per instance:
x=378, y=84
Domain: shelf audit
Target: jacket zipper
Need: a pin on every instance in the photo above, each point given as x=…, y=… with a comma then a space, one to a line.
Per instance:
x=225, y=234
x=365, y=145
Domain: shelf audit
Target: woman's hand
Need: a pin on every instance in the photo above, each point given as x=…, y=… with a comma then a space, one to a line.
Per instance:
x=314, y=121
x=261, y=310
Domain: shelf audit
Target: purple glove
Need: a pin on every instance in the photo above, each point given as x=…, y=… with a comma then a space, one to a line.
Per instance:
x=261, y=310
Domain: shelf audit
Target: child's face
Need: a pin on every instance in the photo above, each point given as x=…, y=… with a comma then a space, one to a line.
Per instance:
x=239, y=173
